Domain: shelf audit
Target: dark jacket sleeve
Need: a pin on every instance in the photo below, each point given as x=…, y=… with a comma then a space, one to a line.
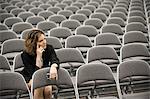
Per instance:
x=53, y=56
x=29, y=66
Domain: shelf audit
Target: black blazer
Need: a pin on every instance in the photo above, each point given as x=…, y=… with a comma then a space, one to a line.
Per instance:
x=49, y=57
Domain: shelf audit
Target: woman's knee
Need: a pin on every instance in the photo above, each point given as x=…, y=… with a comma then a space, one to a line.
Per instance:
x=38, y=92
x=48, y=90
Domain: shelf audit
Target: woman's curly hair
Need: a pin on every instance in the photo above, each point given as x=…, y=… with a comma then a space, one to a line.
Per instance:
x=31, y=41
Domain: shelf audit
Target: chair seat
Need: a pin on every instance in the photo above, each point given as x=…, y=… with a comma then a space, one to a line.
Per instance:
x=144, y=95
x=139, y=58
x=11, y=55
x=83, y=49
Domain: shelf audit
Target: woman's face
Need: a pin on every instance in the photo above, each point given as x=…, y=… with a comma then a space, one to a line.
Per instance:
x=42, y=41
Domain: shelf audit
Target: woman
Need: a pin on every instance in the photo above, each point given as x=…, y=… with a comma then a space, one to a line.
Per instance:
x=38, y=54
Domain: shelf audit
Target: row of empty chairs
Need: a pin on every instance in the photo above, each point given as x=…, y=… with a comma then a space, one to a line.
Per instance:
x=108, y=35
x=92, y=80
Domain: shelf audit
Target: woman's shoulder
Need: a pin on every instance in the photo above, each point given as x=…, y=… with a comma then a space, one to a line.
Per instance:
x=49, y=46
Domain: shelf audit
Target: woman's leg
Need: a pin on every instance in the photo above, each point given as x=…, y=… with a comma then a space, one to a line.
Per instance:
x=48, y=92
x=38, y=93
x=29, y=84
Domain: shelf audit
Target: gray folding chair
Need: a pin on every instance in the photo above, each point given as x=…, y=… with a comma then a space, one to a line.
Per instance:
x=11, y=47
x=103, y=54
x=5, y=35
x=99, y=15
x=57, y=19
x=34, y=20
x=55, y=42
x=135, y=37
x=80, y=42
x=45, y=14
x=25, y=15
x=4, y=64
x=97, y=23
x=134, y=52
x=12, y=20
x=108, y=39
x=66, y=13
x=71, y=62
x=87, y=30
x=95, y=81
x=113, y=28
x=133, y=78
x=60, y=32
x=64, y=85
x=46, y=26
x=70, y=24
x=13, y=86
x=19, y=27
x=79, y=17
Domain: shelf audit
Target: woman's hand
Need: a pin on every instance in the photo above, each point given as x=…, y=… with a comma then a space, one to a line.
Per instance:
x=39, y=60
x=53, y=72
x=39, y=51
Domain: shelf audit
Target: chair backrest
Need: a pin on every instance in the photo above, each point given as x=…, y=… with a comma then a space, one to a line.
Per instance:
x=131, y=71
x=19, y=27
x=18, y=63
x=36, y=10
x=15, y=82
x=34, y=20
x=119, y=14
x=5, y=35
x=75, y=55
x=77, y=4
x=107, y=39
x=46, y=26
x=44, y=6
x=137, y=19
x=12, y=20
x=73, y=9
x=86, y=30
x=89, y=7
x=45, y=14
x=103, y=10
x=137, y=13
x=99, y=15
x=62, y=5
x=16, y=11
x=135, y=37
x=55, y=42
x=79, y=17
x=60, y=32
x=3, y=27
x=71, y=24
x=9, y=8
x=4, y=64
x=116, y=20
x=133, y=50
x=78, y=41
x=95, y=75
x=8, y=46
x=120, y=9
x=86, y=12
x=66, y=13
x=57, y=18
x=4, y=16
x=25, y=15
x=40, y=79
x=136, y=26
x=27, y=7
x=54, y=9
x=112, y=28
x=101, y=52
x=97, y=23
